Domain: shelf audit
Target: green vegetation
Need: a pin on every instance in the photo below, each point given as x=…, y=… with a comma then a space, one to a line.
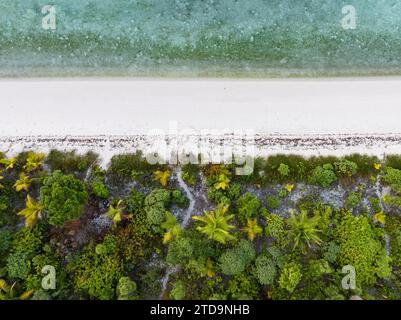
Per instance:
x=323, y=175
x=63, y=198
x=284, y=232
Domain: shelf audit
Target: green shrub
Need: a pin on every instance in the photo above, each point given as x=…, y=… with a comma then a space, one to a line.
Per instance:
x=392, y=200
x=234, y=261
x=331, y=251
x=5, y=242
x=318, y=268
x=190, y=174
x=290, y=276
x=126, y=289
x=248, y=206
x=393, y=228
x=179, y=199
x=108, y=246
x=297, y=166
x=4, y=203
x=284, y=170
x=275, y=228
x=392, y=177
x=178, y=292
x=375, y=203
x=179, y=251
x=70, y=162
x=63, y=198
x=28, y=241
x=99, y=189
x=243, y=286
x=18, y=265
x=158, y=197
x=345, y=168
x=393, y=161
x=34, y=280
x=136, y=240
x=265, y=270
x=41, y=295
x=353, y=199
x=283, y=193
x=97, y=275
x=234, y=191
x=155, y=206
x=132, y=167
x=323, y=175
x=360, y=247
x=156, y=215
x=365, y=163
x=272, y=202
x=135, y=202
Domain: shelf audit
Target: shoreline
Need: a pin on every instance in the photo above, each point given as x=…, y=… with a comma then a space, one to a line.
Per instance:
x=263, y=145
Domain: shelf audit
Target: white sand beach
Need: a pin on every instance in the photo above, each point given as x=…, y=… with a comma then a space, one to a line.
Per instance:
x=276, y=109
x=127, y=107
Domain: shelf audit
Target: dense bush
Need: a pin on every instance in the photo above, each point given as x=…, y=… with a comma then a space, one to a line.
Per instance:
x=136, y=240
x=97, y=275
x=127, y=167
x=243, y=286
x=134, y=202
x=178, y=292
x=393, y=227
x=272, y=202
x=323, y=175
x=126, y=289
x=392, y=177
x=284, y=170
x=265, y=270
x=365, y=163
x=5, y=242
x=275, y=228
x=290, y=276
x=234, y=261
x=99, y=189
x=353, y=199
x=345, y=168
x=63, y=198
x=361, y=247
x=179, y=250
x=190, y=174
x=18, y=265
x=299, y=256
x=393, y=161
x=70, y=162
x=248, y=206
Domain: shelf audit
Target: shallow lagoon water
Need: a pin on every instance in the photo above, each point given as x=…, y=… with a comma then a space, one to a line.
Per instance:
x=253, y=38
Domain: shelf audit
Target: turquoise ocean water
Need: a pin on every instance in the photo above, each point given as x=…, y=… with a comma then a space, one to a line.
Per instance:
x=233, y=38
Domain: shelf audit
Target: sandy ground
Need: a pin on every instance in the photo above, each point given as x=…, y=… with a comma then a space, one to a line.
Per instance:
x=323, y=116
x=87, y=107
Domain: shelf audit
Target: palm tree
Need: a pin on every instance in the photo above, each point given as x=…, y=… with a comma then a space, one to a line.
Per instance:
x=171, y=226
x=303, y=230
x=31, y=212
x=7, y=292
x=23, y=183
x=222, y=182
x=34, y=161
x=115, y=212
x=162, y=177
x=216, y=224
x=8, y=163
x=252, y=229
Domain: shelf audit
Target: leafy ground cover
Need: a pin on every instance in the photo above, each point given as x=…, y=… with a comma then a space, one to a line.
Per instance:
x=141, y=231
